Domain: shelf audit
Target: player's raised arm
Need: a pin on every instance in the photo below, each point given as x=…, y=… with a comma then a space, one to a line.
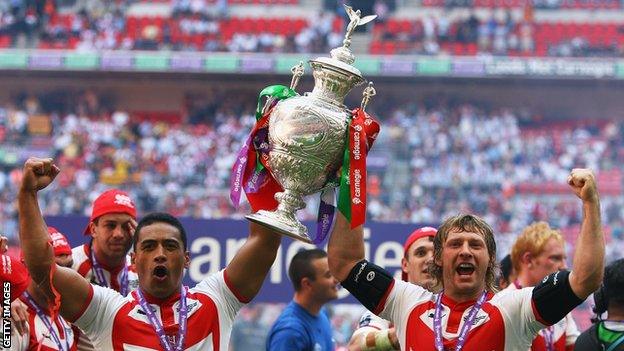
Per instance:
x=588, y=262
x=251, y=264
x=346, y=247
x=35, y=241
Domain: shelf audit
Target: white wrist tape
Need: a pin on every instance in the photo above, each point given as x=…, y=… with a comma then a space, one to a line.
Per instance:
x=376, y=341
x=382, y=341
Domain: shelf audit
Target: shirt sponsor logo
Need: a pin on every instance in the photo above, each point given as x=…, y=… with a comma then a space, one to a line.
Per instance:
x=370, y=276
x=427, y=317
x=357, y=275
x=365, y=321
x=555, y=278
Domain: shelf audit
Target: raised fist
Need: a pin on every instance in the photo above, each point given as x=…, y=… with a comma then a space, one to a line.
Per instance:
x=583, y=183
x=38, y=173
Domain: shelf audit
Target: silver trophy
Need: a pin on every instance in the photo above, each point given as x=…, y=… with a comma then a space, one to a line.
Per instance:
x=307, y=134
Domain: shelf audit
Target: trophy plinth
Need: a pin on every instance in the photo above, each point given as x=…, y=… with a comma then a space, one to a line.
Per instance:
x=283, y=219
x=284, y=223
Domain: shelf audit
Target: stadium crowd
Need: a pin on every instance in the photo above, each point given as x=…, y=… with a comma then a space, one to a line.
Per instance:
x=433, y=160
x=207, y=26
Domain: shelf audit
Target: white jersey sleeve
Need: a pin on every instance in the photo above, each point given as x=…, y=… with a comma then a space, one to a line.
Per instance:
x=97, y=319
x=521, y=324
x=227, y=303
x=19, y=342
x=572, y=332
x=402, y=299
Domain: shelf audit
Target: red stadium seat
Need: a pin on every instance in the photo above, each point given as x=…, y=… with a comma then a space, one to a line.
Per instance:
x=5, y=41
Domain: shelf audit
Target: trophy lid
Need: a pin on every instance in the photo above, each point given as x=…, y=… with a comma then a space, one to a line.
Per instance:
x=330, y=62
x=341, y=57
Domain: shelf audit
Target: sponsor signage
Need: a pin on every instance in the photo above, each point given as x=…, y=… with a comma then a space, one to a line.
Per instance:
x=117, y=61
x=256, y=64
x=185, y=62
x=468, y=67
x=369, y=65
x=395, y=66
x=46, y=60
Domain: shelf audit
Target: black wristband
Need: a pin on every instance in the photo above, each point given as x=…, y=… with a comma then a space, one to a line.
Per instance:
x=554, y=298
x=369, y=283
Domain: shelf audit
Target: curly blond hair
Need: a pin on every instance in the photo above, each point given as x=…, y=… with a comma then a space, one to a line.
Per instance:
x=533, y=239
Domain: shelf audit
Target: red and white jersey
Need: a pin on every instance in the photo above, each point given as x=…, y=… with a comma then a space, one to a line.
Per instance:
x=565, y=332
x=114, y=322
x=506, y=322
x=83, y=265
x=38, y=337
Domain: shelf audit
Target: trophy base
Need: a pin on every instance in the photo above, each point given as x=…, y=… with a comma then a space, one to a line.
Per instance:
x=282, y=224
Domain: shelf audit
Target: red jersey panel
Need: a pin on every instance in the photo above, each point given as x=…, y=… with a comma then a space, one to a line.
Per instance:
x=506, y=322
x=113, y=322
x=38, y=337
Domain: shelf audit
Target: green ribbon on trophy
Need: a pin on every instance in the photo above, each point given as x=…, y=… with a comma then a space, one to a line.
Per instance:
x=273, y=93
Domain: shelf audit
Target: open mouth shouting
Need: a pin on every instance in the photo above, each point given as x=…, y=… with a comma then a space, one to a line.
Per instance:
x=465, y=269
x=160, y=273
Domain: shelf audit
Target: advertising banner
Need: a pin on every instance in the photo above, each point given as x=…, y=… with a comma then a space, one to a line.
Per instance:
x=46, y=60
x=369, y=65
x=213, y=243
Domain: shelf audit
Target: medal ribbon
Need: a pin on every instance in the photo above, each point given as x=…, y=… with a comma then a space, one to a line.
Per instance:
x=101, y=279
x=325, y=217
x=549, y=336
x=362, y=132
x=249, y=172
x=157, y=325
x=463, y=333
x=47, y=322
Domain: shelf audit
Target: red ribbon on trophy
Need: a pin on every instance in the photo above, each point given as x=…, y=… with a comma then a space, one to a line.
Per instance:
x=362, y=132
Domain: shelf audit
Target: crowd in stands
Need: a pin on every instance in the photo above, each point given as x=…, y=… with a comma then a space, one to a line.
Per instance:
x=500, y=34
x=437, y=160
x=209, y=26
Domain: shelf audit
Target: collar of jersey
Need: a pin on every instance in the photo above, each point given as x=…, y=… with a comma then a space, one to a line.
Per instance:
x=461, y=306
x=157, y=301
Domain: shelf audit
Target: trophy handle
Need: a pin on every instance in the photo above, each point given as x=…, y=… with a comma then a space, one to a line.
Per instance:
x=298, y=72
x=368, y=93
